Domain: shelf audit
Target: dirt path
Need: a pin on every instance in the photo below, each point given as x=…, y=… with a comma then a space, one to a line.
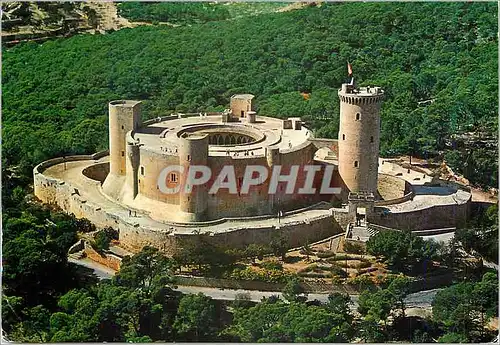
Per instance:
x=447, y=173
x=108, y=16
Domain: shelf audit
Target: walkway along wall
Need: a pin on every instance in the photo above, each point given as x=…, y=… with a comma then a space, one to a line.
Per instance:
x=134, y=237
x=433, y=217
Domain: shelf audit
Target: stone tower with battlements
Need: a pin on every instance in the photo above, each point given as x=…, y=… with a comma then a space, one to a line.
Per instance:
x=124, y=116
x=359, y=137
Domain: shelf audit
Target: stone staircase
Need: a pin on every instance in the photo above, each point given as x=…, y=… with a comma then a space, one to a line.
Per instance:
x=77, y=255
x=372, y=231
x=331, y=156
x=362, y=232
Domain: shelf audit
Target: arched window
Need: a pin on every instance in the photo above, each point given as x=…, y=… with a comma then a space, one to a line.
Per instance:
x=358, y=116
x=220, y=140
x=238, y=141
x=226, y=140
x=355, y=164
x=233, y=141
x=173, y=177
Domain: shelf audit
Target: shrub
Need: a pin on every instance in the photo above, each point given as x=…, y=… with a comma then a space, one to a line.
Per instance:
x=339, y=257
x=269, y=276
x=387, y=279
x=337, y=271
x=316, y=274
x=322, y=268
x=309, y=268
x=103, y=238
x=325, y=254
x=353, y=247
x=363, y=264
x=362, y=281
x=271, y=265
x=336, y=280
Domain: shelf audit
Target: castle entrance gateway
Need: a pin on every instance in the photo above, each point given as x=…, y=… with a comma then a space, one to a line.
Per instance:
x=360, y=205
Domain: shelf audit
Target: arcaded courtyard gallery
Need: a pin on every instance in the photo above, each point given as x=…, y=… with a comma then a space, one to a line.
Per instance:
x=121, y=188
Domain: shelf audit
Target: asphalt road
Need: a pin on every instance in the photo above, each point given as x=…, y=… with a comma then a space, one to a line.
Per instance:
x=422, y=299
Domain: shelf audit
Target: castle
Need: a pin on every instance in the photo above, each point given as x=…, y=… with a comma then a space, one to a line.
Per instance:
x=125, y=187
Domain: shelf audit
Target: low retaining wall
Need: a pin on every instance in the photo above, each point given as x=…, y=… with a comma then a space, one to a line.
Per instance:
x=313, y=286
x=427, y=232
x=107, y=259
x=433, y=217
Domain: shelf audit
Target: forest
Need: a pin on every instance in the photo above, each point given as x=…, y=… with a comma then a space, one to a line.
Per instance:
x=45, y=298
x=436, y=61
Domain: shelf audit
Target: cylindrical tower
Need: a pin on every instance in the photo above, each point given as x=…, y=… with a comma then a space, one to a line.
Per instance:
x=193, y=151
x=359, y=137
x=124, y=116
x=132, y=168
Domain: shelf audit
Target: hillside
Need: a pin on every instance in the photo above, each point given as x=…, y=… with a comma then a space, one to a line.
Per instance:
x=436, y=61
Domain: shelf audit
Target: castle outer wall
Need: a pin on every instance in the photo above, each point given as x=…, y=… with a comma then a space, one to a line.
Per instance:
x=122, y=189
x=83, y=197
x=298, y=228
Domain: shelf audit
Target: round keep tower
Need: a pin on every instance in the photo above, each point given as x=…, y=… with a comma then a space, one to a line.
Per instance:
x=359, y=137
x=193, y=151
x=124, y=116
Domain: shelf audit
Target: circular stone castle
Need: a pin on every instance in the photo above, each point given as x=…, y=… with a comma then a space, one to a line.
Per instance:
x=255, y=178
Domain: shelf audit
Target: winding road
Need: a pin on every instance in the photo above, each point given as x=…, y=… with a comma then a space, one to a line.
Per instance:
x=421, y=299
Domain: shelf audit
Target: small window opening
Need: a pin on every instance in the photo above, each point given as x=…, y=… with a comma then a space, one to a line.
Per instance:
x=173, y=177
x=123, y=127
x=123, y=153
x=355, y=164
x=188, y=158
x=343, y=136
x=358, y=116
x=142, y=171
x=371, y=139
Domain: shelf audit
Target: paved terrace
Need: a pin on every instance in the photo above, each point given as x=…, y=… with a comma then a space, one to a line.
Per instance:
x=71, y=173
x=425, y=196
x=165, y=134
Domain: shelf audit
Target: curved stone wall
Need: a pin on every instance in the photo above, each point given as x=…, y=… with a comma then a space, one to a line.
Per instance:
x=169, y=237
x=408, y=190
x=97, y=172
x=432, y=217
x=134, y=237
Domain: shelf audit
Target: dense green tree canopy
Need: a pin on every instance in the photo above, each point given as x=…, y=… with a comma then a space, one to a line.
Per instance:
x=436, y=61
x=464, y=308
x=402, y=249
x=278, y=321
